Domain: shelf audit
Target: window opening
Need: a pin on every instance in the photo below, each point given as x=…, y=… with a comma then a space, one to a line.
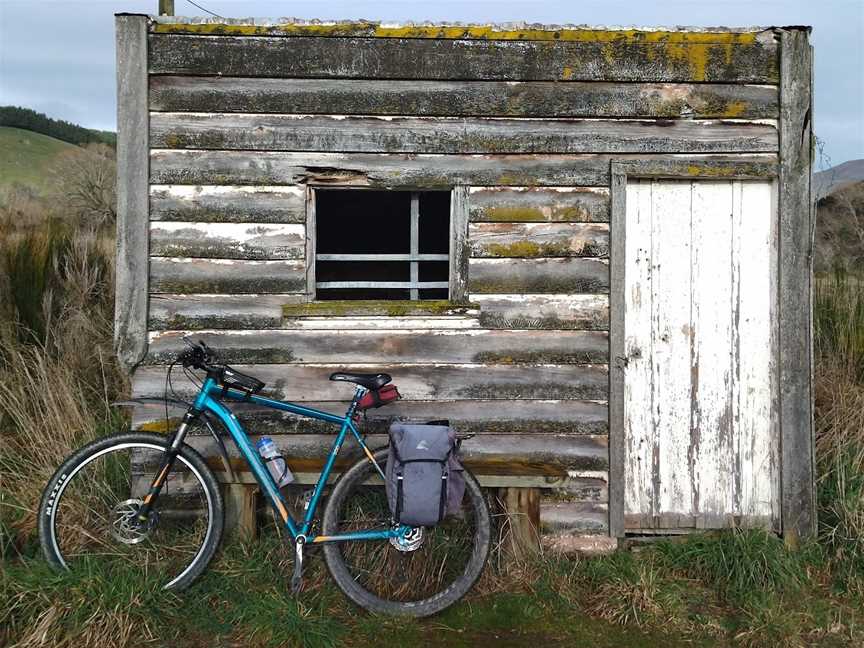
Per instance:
x=381, y=244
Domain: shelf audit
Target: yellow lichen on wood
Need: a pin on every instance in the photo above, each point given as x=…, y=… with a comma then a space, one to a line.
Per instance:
x=160, y=427
x=735, y=108
x=473, y=32
x=712, y=171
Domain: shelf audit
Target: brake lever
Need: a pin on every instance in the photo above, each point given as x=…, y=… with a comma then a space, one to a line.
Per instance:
x=208, y=352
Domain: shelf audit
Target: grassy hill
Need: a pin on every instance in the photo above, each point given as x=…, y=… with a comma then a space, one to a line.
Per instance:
x=839, y=176
x=840, y=228
x=25, y=156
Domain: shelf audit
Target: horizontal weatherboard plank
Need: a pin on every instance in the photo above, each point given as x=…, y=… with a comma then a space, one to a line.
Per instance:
x=565, y=275
x=461, y=98
x=217, y=311
x=387, y=170
x=741, y=58
x=570, y=518
x=228, y=204
x=416, y=382
x=383, y=346
x=530, y=418
x=531, y=204
x=379, y=308
x=377, y=323
x=227, y=240
x=520, y=311
x=184, y=275
x=507, y=311
x=529, y=240
x=221, y=26
x=450, y=135
x=505, y=454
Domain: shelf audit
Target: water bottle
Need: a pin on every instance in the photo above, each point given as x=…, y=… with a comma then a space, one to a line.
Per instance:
x=274, y=461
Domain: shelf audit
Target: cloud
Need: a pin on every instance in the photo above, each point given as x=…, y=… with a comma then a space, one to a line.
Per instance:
x=58, y=55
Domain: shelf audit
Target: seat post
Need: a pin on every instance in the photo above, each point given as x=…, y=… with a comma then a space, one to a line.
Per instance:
x=358, y=394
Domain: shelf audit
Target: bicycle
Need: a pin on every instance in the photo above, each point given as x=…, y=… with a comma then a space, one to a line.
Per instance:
x=92, y=508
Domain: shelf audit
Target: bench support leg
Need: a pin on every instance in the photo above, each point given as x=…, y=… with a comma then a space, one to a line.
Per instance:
x=240, y=505
x=522, y=506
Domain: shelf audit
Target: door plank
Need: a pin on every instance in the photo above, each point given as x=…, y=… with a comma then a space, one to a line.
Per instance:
x=711, y=435
x=671, y=344
x=754, y=364
x=637, y=337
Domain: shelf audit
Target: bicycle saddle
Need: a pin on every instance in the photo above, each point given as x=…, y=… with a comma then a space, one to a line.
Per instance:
x=367, y=380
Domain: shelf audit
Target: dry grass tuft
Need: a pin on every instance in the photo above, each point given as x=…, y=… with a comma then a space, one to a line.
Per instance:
x=57, y=370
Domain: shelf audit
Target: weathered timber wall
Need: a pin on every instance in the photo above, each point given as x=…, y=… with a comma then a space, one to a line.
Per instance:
x=246, y=120
x=754, y=59
x=461, y=98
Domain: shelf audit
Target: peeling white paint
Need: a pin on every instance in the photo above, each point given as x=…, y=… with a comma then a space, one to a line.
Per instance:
x=231, y=232
x=602, y=191
x=198, y=191
x=700, y=344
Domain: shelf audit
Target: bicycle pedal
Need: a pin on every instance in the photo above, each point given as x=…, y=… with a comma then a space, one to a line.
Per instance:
x=297, y=577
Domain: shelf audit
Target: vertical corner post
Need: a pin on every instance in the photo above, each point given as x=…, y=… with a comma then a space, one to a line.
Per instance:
x=798, y=506
x=133, y=171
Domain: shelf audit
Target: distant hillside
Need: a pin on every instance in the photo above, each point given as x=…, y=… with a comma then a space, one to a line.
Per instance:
x=825, y=182
x=25, y=156
x=17, y=117
x=840, y=227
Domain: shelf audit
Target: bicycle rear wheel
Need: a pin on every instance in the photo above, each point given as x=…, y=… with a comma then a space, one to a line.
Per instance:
x=381, y=578
x=89, y=510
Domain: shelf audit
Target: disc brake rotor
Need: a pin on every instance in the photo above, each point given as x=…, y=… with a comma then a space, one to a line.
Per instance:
x=411, y=541
x=125, y=526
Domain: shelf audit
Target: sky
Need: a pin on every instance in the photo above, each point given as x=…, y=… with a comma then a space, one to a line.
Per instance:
x=57, y=56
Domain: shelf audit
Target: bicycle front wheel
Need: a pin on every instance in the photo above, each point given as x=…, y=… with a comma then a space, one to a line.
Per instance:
x=89, y=511
x=434, y=571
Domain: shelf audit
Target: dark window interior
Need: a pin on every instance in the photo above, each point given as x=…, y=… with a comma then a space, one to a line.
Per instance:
x=357, y=221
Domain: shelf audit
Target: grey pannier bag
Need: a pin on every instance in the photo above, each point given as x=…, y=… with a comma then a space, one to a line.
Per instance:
x=425, y=480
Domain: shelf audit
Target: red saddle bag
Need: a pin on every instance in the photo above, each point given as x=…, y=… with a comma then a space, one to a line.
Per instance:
x=377, y=398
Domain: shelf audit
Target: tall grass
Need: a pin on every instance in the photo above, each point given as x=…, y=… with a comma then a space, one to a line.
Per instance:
x=838, y=317
x=57, y=373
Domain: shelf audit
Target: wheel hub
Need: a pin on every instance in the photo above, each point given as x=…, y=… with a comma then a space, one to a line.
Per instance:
x=409, y=541
x=125, y=526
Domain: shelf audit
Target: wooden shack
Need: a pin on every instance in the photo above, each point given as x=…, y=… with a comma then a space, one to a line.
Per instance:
x=589, y=246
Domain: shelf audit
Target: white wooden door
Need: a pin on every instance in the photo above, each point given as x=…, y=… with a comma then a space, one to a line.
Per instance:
x=700, y=389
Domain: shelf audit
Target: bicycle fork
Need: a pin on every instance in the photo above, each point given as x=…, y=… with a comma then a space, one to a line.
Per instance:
x=168, y=459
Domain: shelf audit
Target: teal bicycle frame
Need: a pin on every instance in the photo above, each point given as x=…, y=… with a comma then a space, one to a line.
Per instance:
x=208, y=400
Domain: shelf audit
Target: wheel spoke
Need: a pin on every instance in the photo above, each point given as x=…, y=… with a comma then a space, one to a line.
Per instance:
x=380, y=575
x=96, y=513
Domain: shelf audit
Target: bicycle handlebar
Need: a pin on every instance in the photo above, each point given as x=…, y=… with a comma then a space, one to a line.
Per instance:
x=200, y=356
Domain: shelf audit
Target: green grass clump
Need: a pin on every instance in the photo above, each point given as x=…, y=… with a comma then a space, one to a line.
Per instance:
x=87, y=606
x=738, y=563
